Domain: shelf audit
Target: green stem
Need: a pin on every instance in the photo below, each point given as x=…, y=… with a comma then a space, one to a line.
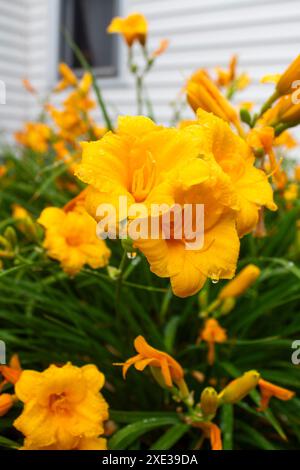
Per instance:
x=84, y=63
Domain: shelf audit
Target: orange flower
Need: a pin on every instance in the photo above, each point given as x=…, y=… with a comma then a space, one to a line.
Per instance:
x=225, y=77
x=269, y=390
x=211, y=334
x=163, y=46
x=12, y=372
x=212, y=432
x=3, y=170
x=68, y=78
x=28, y=86
x=170, y=369
x=133, y=28
x=297, y=173
x=6, y=403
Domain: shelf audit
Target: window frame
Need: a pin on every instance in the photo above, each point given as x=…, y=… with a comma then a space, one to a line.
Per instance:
x=121, y=79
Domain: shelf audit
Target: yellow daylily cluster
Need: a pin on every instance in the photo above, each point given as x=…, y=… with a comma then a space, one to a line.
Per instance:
x=204, y=163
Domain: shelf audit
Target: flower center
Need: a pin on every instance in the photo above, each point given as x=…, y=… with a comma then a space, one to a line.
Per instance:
x=143, y=179
x=58, y=403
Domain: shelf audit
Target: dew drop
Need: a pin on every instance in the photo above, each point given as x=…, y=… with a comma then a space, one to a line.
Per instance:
x=215, y=281
x=131, y=256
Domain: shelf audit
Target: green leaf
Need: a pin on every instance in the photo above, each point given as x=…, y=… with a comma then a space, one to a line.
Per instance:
x=126, y=436
x=170, y=437
x=227, y=420
x=7, y=443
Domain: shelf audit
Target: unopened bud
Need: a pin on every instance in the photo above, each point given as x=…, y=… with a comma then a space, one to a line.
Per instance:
x=209, y=401
x=239, y=388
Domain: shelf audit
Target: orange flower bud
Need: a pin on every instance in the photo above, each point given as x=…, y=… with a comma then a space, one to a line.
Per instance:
x=6, y=403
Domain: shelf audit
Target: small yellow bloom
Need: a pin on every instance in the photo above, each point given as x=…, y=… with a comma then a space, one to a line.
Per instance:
x=170, y=369
x=285, y=83
x=270, y=78
x=69, y=122
x=297, y=173
x=225, y=77
x=24, y=221
x=242, y=81
x=212, y=333
x=261, y=138
x=240, y=283
x=291, y=193
x=63, y=409
x=68, y=78
x=285, y=139
x=19, y=212
x=239, y=388
x=269, y=390
x=133, y=28
x=35, y=136
x=71, y=239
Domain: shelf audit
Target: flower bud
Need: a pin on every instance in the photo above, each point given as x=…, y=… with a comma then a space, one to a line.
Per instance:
x=209, y=401
x=239, y=388
x=241, y=282
x=6, y=403
x=285, y=84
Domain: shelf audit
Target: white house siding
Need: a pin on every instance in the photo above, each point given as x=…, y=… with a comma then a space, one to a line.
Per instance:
x=203, y=33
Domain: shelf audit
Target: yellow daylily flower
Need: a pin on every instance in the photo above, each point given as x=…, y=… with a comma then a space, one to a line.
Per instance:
x=133, y=28
x=62, y=406
x=171, y=371
x=236, y=159
x=35, y=136
x=71, y=239
x=69, y=79
x=149, y=164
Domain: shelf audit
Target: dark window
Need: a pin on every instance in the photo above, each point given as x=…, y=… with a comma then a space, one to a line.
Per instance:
x=87, y=21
